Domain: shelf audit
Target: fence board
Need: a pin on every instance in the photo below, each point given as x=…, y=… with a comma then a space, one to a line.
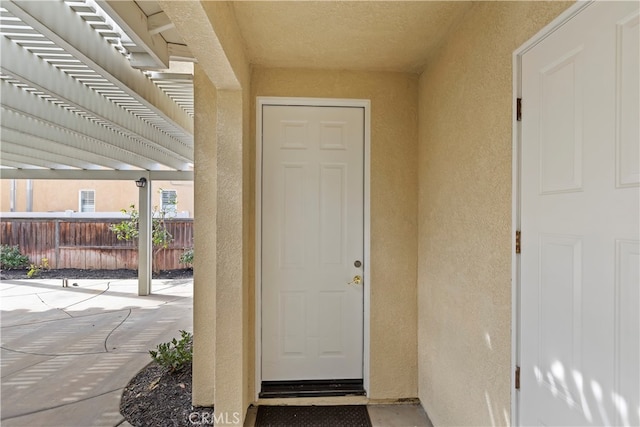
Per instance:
x=88, y=243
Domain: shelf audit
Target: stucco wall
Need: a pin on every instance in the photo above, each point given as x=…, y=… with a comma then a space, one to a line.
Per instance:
x=393, y=208
x=205, y=226
x=464, y=249
x=231, y=317
x=222, y=18
x=222, y=349
x=110, y=196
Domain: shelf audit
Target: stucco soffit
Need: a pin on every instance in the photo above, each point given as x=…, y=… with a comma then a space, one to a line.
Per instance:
x=193, y=24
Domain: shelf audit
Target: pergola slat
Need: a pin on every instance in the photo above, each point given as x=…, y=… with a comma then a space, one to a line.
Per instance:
x=23, y=150
x=87, y=132
x=96, y=161
x=68, y=30
x=27, y=68
x=30, y=126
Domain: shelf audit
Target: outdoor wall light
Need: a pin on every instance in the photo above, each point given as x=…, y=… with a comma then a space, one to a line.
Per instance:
x=141, y=183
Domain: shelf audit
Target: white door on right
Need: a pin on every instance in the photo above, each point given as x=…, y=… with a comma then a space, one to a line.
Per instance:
x=580, y=254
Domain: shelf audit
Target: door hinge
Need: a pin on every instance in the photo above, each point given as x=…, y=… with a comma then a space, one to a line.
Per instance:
x=519, y=109
x=517, y=377
x=518, y=241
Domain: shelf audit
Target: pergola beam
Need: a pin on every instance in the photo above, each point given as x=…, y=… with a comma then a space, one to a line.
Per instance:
x=181, y=77
x=68, y=30
x=180, y=52
x=159, y=22
x=135, y=23
x=18, y=164
x=30, y=70
x=103, y=175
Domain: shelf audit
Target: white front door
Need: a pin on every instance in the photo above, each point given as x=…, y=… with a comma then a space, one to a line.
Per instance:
x=312, y=242
x=580, y=256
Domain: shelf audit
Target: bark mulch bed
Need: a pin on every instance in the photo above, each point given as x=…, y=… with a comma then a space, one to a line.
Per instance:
x=156, y=397
x=76, y=273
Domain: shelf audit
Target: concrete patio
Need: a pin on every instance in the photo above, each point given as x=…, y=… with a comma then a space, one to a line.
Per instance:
x=67, y=353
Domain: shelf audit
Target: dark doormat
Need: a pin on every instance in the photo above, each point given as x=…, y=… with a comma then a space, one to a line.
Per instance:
x=313, y=416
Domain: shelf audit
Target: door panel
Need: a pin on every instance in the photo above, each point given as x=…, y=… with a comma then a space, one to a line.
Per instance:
x=312, y=233
x=580, y=214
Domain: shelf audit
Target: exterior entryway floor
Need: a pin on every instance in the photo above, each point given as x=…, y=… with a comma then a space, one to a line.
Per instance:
x=67, y=353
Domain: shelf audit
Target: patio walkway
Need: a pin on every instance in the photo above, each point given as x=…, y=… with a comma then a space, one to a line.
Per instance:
x=67, y=353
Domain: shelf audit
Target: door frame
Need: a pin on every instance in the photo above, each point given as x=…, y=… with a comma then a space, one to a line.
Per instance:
x=365, y=104
x=516, y=332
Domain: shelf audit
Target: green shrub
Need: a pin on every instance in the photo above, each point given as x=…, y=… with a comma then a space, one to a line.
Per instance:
x=187, y=257
x=176, y=354
x=11, y=258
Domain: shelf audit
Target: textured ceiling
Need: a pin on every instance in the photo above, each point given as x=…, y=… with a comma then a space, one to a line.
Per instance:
x=361, y=35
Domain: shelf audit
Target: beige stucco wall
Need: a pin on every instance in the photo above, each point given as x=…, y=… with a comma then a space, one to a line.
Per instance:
x=231, y=312
x=465, y=204
x=110, y=196
x=393, y=208
x=222, y=349
x=222, y=18
x=205, y=263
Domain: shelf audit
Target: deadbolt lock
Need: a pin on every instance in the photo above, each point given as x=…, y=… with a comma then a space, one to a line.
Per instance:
x=357, y=264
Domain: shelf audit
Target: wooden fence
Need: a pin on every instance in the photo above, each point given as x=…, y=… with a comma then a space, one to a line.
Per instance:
x=88, y=243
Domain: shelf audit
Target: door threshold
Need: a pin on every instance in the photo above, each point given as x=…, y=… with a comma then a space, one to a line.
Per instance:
x=312, y=388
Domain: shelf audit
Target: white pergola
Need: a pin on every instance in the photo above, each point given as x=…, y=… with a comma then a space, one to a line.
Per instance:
x=95, y=89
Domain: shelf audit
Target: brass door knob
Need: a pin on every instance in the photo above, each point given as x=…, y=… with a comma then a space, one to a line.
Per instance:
x=356, y=280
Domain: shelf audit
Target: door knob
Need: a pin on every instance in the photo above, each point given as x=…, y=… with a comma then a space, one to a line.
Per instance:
x=356, y=280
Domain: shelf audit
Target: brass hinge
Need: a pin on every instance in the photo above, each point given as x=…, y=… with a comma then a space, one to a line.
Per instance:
x=518, y=241
x=517, y=377
x=519, y=109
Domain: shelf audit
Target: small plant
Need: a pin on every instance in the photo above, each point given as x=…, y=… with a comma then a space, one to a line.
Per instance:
x=36, y=269
x=176, y=354
x=128, y=229
x=11, y=258
x=187, y=257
